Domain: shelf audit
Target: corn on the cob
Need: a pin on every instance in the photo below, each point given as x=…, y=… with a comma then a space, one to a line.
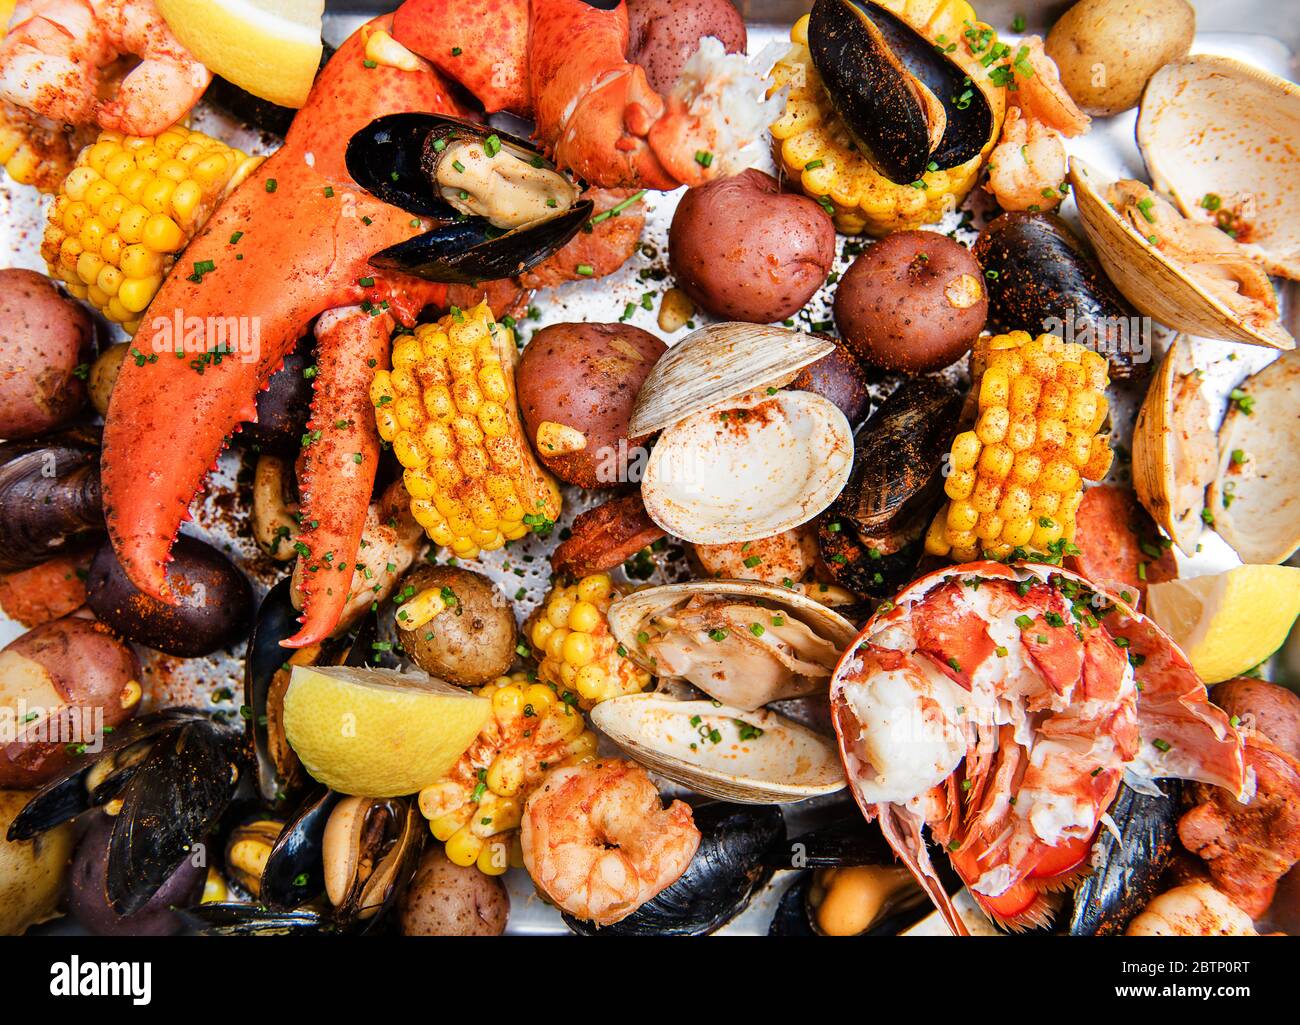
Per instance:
x=448, y=407
x=129, y=207
x=818, y=151
x=574, y=647
x=38, y=155
x=1015, y=480
x=477, y=809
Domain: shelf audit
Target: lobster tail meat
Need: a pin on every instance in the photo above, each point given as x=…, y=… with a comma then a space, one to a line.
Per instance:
x=1002, y=708
x=292, y=242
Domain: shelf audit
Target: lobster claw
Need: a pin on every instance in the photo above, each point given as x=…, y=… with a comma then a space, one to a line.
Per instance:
x=501, y=207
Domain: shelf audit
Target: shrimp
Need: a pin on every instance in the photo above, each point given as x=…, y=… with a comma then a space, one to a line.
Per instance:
x=1029, y=163
x=1196, y=909
x=598, y=842
x=56, y=61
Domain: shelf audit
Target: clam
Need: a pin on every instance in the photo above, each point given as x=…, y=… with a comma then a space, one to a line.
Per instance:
x=1174, y=448
x=1221, y=294
x=499, y=207
x=749, y=757
x=1220, y=138
x=908, y=103
x=740, y=641
x=1255, y=495
x=738, y=458
x=871, y=539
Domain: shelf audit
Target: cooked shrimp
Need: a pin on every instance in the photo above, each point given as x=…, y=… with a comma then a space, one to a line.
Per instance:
x=1029, y=164
x=599, y=843
x=1197, y=909
x=54, y=62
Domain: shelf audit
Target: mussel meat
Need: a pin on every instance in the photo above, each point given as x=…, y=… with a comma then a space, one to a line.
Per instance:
x=871, y=538
x=49, y=496
x=1041, y=279
x=909, y=104
x=499, y=208
x=726, y=872
x=369, y=850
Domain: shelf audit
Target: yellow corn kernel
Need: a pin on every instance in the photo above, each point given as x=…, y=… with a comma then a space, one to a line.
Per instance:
x=506, y=774
x=464, y=847
x=1060, y=476
x=584, y=616
x=996, y=461
x=1025, y=393
x=1018, y=532
x=995, y=388
x=965, y=450
x=1021, y=434
x=961, y=516
x=959, y=484
x=578, y=649
x=508, y=703
x=595, y=588
x=440, y=799
x=936, y=538
x=992, y=426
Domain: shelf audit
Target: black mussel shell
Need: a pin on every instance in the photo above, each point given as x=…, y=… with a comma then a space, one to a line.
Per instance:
x=1130, y=867
x=870, y=61
x=1040, y=278
x=470, y=250
x=233, y=919
x=174, y=798
x=294, y=873
x=849, y=840
x=261, y=114
x=727, y=870
x=283, y=408
x=49, y=496
x=872, y=537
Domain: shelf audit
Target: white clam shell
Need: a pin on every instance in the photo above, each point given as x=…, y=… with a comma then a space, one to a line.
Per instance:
x=1213, y=125
x=1256, y=504
x=748, y=468
x=788, y=762
x=1157, y=285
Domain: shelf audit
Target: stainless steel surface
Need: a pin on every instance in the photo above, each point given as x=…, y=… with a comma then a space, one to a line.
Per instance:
x=1260, y=32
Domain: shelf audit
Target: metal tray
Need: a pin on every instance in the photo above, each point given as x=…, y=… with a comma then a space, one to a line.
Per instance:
x=1257, y=31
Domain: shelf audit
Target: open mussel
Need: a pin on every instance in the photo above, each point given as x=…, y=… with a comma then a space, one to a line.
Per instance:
x=911, y=106
x=722, y=878
x=871, y=538
x=1130, y=865
x=49, y=496
x=177, y=780
x=1041, y=279
x=499, y=207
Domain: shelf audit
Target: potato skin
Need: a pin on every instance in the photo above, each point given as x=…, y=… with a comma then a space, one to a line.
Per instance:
x=839, y=377
x=1128, y=40
x=913, y=302
x=744, y=250
x=469, y=643
x=444, y=899
x=584, y=376
x=43, y=339
x=31, y=871
x=70, y=661
x=664, y=34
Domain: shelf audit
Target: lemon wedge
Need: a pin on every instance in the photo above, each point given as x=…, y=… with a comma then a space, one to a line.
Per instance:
x=1228, y=622
x=270, y=48
x=378, y=732
x=6, y=13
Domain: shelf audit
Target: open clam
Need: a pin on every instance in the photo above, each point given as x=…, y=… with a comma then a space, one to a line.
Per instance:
x=1255, y=495
x=739, y=458
x=750, y=757
x=1174, y=448
x=1220, y=138
x=739, y=641
x=1206, y=286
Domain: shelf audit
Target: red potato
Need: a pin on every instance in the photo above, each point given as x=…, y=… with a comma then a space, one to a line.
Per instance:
x=56, y=681
x=839, y=377
x=577, y=385
x=913, y=302
x=1110, y=531
x=664, y=34
x=44, y=338
x=744, y=250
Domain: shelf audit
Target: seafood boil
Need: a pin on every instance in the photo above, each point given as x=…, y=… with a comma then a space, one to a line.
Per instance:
x=622, y=469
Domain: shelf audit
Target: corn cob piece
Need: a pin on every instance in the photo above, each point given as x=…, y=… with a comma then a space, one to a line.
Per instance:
x=129, y=207
x=817, y=149
x=449, y=409
x=477, y=809
x=1016, y=479
x=574, y=647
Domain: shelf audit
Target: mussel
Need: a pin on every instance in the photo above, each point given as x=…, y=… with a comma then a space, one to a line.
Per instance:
x=174, y=771
x=49, y=496
x=1041, y=279
x=906, y=101
x=871, y=538
x=293, y=873
x=499, y=208
x=1129, y=866
x=726, y=872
